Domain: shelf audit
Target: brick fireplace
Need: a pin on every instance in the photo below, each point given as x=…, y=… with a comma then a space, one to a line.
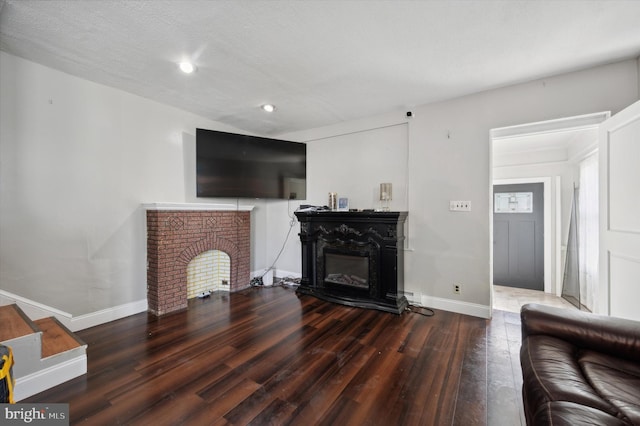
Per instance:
x=177, y=233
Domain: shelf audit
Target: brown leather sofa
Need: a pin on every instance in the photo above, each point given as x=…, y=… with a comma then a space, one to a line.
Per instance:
x=579, y=368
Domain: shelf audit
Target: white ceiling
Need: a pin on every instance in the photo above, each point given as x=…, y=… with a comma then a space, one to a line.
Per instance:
x=319, y=62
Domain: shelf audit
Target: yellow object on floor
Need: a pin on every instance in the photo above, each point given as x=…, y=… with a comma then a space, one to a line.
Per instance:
x=6, y=375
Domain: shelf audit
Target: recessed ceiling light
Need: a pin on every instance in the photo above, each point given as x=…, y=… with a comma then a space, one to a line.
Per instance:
x=187, y=67
x=268, y=107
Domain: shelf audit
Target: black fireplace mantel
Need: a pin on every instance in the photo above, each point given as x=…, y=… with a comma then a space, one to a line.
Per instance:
x=375, y=237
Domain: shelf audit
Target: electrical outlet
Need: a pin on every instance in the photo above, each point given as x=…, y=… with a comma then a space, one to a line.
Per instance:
x=460, y=206
x=457, y=288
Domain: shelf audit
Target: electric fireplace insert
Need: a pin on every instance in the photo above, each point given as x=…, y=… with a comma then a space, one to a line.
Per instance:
x=354, y=258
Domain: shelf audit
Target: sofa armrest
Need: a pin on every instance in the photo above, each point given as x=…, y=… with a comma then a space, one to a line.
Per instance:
x=615, y=336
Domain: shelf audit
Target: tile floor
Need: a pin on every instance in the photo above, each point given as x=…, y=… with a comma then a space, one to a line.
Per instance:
x=511, y=299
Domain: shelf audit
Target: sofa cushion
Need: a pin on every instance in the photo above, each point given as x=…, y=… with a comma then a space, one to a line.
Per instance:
x=614, y=336
x=579, y=368
x=563, y=413
x=551, y=373
x=615, y=380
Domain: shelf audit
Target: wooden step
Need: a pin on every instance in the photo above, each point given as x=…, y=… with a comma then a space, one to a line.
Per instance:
x=56, y=338
x=45, y=352
x=14, y=323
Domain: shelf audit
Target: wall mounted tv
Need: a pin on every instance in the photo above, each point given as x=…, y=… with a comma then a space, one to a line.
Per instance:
x=242, y=166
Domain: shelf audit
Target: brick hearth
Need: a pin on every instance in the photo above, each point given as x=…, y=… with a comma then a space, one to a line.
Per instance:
x=176, y=235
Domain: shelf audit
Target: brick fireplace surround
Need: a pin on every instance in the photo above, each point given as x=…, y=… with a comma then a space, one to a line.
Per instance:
x=176, y=233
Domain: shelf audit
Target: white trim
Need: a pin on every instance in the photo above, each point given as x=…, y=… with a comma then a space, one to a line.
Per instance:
x=491, y=231
x=546, y=181
x=566, y=124
x=449, y=305
x=543, y=163
x=558, y=243
x=35, y=310
x=584, y=154
x=107, y=315
x=49, y=377
x=196, y=206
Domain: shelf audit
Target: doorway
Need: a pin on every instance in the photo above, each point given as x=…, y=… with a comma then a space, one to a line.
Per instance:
x=518, y=236
x=548, y=152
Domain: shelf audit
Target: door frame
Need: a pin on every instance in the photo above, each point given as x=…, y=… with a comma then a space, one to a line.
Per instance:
x=546, y=221
x=586, y=121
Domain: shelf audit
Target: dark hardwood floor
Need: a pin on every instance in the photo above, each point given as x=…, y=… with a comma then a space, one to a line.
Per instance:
x=269, y=356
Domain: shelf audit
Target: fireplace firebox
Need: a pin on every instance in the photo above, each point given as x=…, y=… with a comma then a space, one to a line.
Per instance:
x=346, y=269
x=354, y=258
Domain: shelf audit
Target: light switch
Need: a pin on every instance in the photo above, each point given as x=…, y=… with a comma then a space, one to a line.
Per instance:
x=460, y=206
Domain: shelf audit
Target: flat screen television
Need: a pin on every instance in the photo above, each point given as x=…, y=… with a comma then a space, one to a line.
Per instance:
x=241, y=166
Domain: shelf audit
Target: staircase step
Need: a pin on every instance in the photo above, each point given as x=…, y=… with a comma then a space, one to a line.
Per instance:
x=14, y=323
x=45, y=352
x=56, y=338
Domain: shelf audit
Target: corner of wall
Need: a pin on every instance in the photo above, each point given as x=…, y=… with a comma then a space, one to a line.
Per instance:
x=638, y=75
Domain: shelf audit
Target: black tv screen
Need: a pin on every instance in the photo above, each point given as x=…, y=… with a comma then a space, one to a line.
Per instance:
x=242, y=166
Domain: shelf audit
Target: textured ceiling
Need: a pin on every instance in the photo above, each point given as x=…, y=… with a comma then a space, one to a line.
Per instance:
x=319, y=62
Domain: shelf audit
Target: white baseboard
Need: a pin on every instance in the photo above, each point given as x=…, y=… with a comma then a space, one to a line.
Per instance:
x=49, y=377
x=107, y=315
x=465, y=308
x=35, y=310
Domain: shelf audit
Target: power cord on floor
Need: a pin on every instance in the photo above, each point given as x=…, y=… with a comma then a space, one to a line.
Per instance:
x=421, y=310
x=257, y=281
x=287, y=282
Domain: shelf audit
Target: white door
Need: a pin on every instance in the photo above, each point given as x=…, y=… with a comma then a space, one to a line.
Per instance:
x=620, y=214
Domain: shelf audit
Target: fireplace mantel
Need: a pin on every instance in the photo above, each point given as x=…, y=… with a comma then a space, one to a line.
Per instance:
x=177, y=233
x=195, y=207
x=377, y=238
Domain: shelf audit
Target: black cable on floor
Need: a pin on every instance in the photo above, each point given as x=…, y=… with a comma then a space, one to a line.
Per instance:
x=257, y=281
x=420, y=310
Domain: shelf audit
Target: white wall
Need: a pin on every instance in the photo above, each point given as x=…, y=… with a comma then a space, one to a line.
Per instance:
x=333, y=167
x=353, y=165
x=358, y=163
x=449, y=159
x=76, y=161
x=78, y=158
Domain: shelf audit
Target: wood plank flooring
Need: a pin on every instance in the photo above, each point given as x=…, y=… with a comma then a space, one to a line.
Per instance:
x=14, y=323
x=268, y=356
x=56, y=338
